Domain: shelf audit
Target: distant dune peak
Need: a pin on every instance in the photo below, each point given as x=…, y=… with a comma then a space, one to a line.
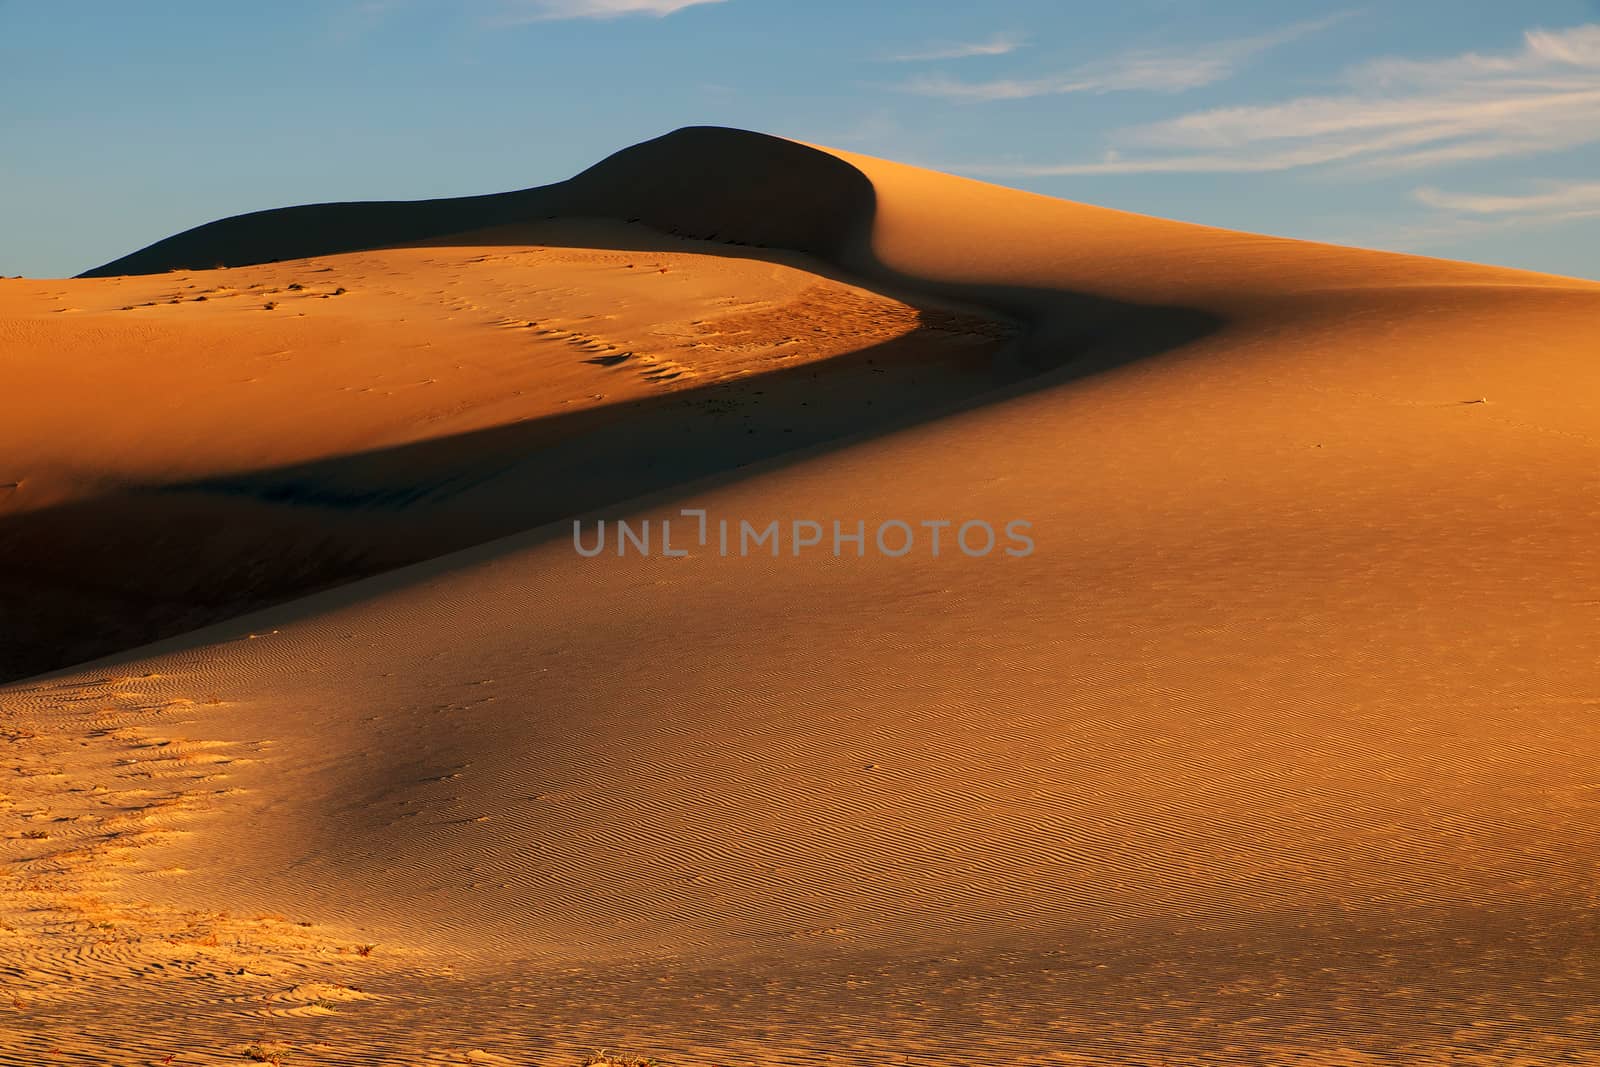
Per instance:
x=707, y=182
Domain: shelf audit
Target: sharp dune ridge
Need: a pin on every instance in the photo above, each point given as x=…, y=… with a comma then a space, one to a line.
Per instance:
x=701, y=181
x=1279, y=748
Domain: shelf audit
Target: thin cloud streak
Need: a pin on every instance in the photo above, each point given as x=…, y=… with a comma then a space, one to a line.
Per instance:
x=1400, y=115
x=1450, y=232
x=553, y=10
x=999, y=45
x=1462, y=217
x=1559, y=198
x=1168, y=70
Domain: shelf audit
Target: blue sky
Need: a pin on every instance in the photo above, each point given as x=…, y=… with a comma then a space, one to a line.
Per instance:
x=1460, y=128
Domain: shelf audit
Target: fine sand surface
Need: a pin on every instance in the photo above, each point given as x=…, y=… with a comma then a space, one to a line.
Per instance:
x=1280, y=748
x=181, y=447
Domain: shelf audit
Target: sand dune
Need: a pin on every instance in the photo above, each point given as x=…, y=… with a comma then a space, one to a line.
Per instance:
x=1279, y=748
x=262, y=432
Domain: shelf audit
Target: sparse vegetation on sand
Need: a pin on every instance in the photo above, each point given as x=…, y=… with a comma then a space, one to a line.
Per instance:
x=602, y=1057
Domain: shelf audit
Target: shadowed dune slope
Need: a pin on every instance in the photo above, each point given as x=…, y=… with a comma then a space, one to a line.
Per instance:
x=260, y=432
x=339, y=304
x=1279, y=747
x=700, y=181
x=1088, y=279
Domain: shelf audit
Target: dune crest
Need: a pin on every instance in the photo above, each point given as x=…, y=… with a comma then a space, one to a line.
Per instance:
x=1278, y=749
x=705, y=182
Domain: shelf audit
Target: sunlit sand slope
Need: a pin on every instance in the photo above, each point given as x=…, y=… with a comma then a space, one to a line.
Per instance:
x=179, y=448
x=1278, y=748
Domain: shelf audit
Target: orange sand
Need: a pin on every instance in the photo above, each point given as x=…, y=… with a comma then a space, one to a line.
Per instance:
x=1280, y=748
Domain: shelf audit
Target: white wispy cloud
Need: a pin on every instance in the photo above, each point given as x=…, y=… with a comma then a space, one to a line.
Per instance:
x=1445, y=231
x=1459, y=217
x=1553, y=198
x=1168, y=70
x=1396, y=114
x=546, y=10
x=999, y=45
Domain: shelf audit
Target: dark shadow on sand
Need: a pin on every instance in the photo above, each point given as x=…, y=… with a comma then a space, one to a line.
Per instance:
x=90, y=578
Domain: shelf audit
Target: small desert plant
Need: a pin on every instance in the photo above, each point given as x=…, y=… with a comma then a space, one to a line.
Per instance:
x=261, y=1053
x=602, y=1057
x=365, y=950
x=269, y=305
x=295, y=287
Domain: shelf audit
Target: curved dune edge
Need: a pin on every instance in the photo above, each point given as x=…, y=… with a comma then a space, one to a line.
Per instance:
x=1280, y=746
x=750, y=190
x=351, y=509
x=885, y=221
x=262, y=432
x=735, y=185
